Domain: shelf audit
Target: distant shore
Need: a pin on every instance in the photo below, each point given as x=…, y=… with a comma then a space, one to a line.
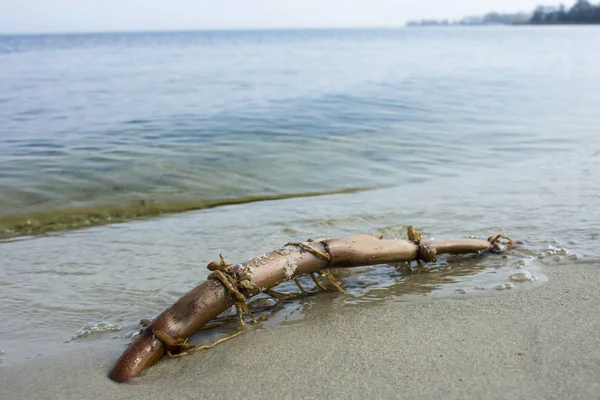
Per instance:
x=582, y=13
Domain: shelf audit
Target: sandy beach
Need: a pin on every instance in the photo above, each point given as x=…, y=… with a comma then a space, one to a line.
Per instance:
x=536, y=343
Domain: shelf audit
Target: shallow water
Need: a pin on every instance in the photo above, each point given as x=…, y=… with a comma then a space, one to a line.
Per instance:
x=461, y=133
x=97, y=128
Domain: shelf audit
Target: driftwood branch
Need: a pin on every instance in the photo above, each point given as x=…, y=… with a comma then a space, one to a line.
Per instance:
x=209, y=299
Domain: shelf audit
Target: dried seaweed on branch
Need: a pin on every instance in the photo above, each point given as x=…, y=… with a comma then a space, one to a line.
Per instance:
x=232, y=285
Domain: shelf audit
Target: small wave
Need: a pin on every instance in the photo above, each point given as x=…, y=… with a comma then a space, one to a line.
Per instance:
x=90, y=329
x=138, y=121
x=74, y=218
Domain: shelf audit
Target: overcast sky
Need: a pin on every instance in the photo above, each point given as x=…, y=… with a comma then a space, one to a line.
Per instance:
x=33, y=16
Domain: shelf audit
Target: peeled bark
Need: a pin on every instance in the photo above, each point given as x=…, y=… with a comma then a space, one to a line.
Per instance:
x=209, y=299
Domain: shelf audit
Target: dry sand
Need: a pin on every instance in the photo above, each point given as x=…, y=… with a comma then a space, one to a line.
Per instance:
x=534, y=343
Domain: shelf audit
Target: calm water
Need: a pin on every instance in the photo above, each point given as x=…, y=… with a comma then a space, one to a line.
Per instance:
x=463, y=132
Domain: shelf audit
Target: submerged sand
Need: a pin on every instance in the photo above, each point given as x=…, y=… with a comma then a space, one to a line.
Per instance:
x=541, y=343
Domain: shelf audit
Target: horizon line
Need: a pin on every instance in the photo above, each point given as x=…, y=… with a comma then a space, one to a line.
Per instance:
x=247, y=29
x=229, y=29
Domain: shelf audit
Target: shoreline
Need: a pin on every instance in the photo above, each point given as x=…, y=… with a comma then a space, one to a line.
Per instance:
x=540, y=343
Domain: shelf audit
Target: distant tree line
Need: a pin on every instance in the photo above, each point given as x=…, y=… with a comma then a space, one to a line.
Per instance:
x=581, y=13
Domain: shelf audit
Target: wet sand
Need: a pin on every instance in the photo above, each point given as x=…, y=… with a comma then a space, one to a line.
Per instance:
x=537, y=343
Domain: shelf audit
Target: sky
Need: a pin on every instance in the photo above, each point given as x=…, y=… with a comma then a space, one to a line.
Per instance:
x=61, y=16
